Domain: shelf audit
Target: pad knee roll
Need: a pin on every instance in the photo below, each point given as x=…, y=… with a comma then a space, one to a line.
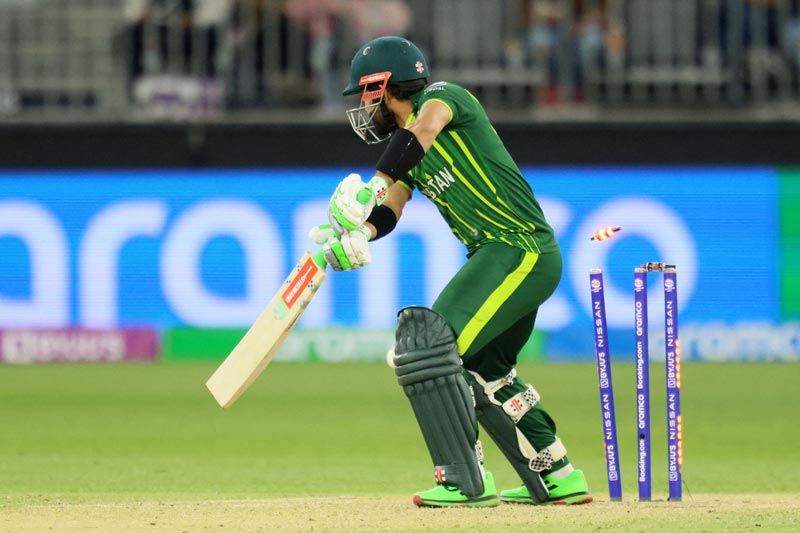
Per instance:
x=428, y=368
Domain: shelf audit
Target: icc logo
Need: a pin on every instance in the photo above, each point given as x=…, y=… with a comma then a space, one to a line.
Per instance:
x=638, y=285
x=669, y=285
x=596, y=287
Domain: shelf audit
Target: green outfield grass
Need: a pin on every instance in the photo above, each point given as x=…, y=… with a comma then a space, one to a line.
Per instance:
x=142, y=432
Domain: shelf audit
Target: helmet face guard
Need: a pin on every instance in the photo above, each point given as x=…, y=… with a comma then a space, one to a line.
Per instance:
x=362, y=118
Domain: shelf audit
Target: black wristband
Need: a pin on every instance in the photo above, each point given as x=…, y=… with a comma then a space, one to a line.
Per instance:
x=384, y=220
x=401, y=155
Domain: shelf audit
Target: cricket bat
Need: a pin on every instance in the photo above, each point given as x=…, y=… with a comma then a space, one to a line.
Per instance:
x=261, y=342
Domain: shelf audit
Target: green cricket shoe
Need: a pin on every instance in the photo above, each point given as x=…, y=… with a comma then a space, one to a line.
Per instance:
x=449, y=496
x=570, y=490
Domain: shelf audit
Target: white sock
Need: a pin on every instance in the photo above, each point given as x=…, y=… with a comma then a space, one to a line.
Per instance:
x=563, y=472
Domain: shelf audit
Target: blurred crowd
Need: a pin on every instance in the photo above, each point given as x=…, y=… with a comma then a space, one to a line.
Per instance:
x=259, y=50
x=295, y=52
x=205, y=57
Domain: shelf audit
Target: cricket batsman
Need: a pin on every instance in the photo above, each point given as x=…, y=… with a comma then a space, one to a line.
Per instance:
x=456, y=361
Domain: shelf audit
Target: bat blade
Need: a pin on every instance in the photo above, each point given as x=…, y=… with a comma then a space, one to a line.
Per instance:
x=261, y=342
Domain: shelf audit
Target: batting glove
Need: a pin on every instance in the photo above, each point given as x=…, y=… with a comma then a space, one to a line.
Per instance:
x=348, y=251
x=353, y=201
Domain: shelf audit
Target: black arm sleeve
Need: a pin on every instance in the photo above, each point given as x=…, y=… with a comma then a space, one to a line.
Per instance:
x=401, y=155
x=384, y=220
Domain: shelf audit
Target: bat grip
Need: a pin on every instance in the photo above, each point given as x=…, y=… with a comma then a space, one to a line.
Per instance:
x=319, y=259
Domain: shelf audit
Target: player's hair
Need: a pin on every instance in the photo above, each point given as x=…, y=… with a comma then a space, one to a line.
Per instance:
x=404, y=90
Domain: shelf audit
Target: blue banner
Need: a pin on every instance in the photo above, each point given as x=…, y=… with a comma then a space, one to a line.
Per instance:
x=209, y=248
x=719, y=226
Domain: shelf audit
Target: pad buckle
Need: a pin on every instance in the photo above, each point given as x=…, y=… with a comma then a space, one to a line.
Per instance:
x=490, y=387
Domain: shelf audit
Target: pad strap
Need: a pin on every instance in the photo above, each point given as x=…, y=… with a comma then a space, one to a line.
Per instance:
x=543, y=459
x=518, y=405
x=490, y=387
x=522, y=402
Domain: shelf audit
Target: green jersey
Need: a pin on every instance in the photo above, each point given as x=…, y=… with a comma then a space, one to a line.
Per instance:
x=474, y=182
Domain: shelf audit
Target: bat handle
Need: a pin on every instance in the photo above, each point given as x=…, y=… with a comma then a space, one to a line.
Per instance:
x=319, y=259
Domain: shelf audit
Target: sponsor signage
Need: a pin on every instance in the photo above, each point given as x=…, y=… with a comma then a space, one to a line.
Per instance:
x=209, y=248
x=19, y=346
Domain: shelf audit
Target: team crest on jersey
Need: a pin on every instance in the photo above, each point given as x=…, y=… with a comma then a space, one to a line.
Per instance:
x=437, y=86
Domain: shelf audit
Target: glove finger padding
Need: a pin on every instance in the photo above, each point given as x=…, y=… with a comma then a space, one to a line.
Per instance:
x=348, y=252
x=320, y=234
x=356, y=247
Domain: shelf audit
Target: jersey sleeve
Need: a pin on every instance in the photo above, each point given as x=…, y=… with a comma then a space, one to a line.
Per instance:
x=407, y=181
x=458, y=100
x=461, y=103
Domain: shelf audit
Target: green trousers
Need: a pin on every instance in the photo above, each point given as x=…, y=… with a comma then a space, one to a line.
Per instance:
x=492, y=304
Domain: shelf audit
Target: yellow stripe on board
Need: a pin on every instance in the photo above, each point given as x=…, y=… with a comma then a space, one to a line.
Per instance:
x=495, y=301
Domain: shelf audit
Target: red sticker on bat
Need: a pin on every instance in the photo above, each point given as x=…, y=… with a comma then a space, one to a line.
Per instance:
x=300, y=282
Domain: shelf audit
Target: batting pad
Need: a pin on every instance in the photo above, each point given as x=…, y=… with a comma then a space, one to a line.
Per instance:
x=500, y=421
x=429, y=370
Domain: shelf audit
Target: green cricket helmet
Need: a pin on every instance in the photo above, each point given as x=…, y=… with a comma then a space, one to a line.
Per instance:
x=378, y=63
x=396, y=55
